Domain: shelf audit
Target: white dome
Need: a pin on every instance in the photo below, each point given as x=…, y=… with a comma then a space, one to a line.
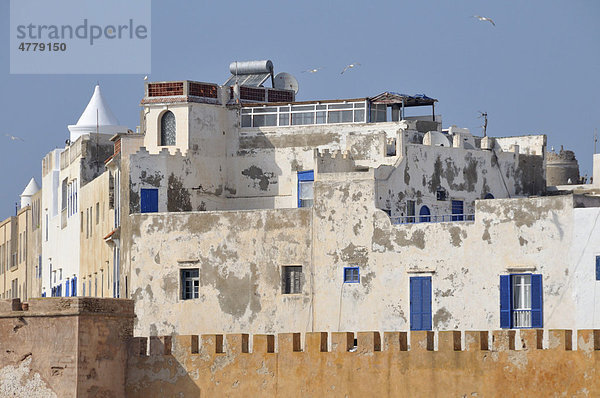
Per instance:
x=435, y=138
x=97, y=114
x=31, y=189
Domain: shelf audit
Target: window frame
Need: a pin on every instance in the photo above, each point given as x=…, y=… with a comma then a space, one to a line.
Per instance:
x=288, y=273
x=303, y=178
x=507, y=306
x=194, y=293
x=162, y=139
x=352, y=280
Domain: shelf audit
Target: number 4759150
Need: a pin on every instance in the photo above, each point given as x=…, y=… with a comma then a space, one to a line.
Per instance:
x=43, y=46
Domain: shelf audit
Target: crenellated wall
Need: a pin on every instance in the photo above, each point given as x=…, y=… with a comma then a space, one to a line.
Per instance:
x=473, y=363
x=67, y=347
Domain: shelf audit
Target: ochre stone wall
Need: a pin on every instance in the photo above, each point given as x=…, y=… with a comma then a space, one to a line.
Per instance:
x=64, y=347
x=83, y=347
x=217, y=365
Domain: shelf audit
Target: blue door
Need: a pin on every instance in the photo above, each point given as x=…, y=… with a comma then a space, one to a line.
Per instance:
x=457, y=210
x=420, y=303
x=424, y=214
x=149, y=200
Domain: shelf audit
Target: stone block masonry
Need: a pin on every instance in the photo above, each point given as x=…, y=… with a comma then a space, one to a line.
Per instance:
x=68, y=347
x=64, y=347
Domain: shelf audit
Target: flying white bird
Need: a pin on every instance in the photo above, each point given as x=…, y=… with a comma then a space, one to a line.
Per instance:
x=349, y=67
x=484, y=19
x=145, y=77
x=14, y=138
x=314, y=70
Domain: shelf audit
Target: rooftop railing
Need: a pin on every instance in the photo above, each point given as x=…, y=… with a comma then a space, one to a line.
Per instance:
x=306, y=114
x=432, y=218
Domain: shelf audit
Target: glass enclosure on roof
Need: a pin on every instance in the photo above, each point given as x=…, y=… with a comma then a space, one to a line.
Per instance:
x=297, y=115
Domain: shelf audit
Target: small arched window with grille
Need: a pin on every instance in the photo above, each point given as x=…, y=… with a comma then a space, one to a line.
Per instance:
x=167, y=129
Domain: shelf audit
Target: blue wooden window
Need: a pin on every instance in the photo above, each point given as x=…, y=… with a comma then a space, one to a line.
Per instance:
x=457, y=210
x=351, y=275
x=67, y=285
x=505, y=301
x=305, y=188
x=74, y=286
x=424, y=214
x=420, y=303
x=149, y=200
x=515, y=290
x=598, y=268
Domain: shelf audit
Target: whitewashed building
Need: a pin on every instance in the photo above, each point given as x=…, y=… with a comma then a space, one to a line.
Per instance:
x=64, y=172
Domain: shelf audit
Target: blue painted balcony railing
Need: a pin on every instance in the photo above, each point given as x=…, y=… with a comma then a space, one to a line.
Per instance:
x=432, y=218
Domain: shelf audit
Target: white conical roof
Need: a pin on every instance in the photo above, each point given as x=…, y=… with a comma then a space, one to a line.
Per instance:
x=97, y=105
x=97, y=116
x=31, y=188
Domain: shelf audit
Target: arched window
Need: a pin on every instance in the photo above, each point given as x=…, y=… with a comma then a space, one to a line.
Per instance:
x=167, y=129
x=488, y=196
x=424, y=214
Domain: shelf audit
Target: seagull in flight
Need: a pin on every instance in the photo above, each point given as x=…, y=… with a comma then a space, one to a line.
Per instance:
x=349, y=67
x=314, y=70
x=14, y=138
x=485, y=19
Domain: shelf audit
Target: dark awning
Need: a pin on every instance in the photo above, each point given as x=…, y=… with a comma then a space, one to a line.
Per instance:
x=391, y=98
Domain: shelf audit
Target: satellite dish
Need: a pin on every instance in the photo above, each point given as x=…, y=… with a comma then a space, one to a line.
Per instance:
x=285, y=81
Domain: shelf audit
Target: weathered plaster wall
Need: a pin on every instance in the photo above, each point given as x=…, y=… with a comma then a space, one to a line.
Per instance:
x=511, y=365
x=464, y=259
x=266, y=160
x=239, y=256
x=528, y=144
x=464, y=174
x=64, y=347
x=581, y=280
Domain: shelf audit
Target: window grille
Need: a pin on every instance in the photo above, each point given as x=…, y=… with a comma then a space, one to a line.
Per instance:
x=292, y=279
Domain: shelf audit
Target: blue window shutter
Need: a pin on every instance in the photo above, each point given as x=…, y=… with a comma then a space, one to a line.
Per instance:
x=67, y=288
x=426, y=310
x=598, y=268
x=74, y=290
x=537, y=302
x=420, y=303
x=505, y=301
x=415, y=304
x=149, y=200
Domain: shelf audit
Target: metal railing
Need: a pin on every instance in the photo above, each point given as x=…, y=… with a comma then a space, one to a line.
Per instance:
x=432, y=218
x=521, y=318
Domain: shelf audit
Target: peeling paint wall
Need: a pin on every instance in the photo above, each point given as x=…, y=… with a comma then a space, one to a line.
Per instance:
x=239, y=256
x=464, y=260
x=464, y=174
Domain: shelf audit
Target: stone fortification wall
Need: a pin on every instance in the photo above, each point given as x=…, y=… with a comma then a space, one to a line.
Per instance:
x=473, y=363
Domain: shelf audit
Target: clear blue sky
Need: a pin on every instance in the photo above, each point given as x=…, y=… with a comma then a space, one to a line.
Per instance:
x=535, y=72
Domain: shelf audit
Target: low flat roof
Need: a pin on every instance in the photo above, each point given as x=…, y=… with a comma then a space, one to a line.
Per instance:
x=391, y=98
